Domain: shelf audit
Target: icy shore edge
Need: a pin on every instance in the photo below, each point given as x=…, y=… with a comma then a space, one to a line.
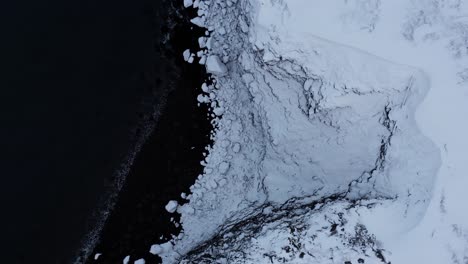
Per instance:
x=311, y=136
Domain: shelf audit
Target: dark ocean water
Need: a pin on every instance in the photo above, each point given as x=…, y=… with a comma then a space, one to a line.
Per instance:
x=80, y=82
x=169, y=160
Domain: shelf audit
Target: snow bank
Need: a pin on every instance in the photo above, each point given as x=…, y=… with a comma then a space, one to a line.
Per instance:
x=427, y=34
x=317, y=108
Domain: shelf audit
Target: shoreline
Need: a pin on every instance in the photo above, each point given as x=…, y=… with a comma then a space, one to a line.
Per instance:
x=177, y=141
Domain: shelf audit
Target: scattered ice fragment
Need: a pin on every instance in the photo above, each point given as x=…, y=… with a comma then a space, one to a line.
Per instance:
x=308, y=84
x=171, y=206
x=218, y=111
x=186, y=55
x=221, y=31
x=215, y=66
x=189, y=210
x=267, y=210
x=140, y=261
x=212, y=184
x=181, y=235
x=97, y=256
x=202, y=42
x=188, y=3
x=236, y=147
x=198, y=21
x=204, y=88
x=156, y=249
x=202, y=60
x=222, y=260
x=126, y=260
x=225, y=143
x=202, y=98
x=243, y=25
x=190, y=60
x=223, y=167
x=209, y=43
x=200, y=12
x=222, y=182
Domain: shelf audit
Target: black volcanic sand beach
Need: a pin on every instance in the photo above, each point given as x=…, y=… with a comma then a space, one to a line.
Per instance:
x=81, y=84
x=169, y=161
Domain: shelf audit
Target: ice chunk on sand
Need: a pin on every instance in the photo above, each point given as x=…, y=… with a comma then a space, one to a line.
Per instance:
x=171, y=206
x=97, y=256
x=215, y=66
x=126, y=260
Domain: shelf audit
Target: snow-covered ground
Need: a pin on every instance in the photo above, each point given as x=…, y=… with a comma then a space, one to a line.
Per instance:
x=340, y=134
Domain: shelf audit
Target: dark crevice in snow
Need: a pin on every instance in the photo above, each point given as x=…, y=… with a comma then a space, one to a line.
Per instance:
x=231, y=244
x=385, y=143
x=236, y=234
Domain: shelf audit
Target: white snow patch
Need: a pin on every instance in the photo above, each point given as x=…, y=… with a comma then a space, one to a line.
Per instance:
x=333, y=99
